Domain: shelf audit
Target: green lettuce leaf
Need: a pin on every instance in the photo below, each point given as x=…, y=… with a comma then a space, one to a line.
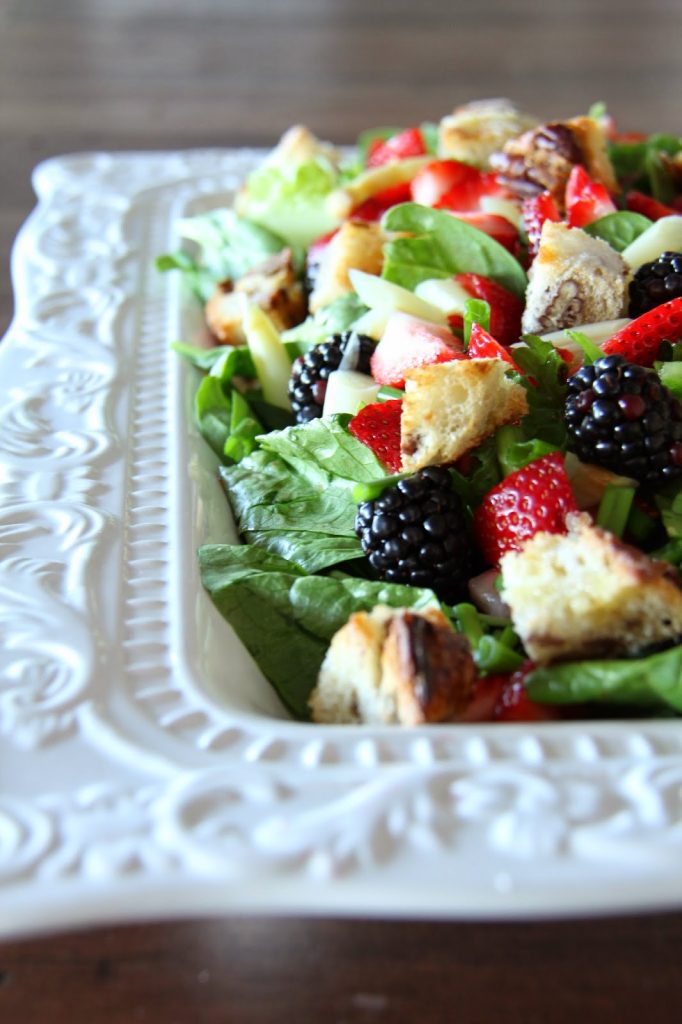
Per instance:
x=442, y=246
x=545, y=386
x=291, y=200
x=285, y=618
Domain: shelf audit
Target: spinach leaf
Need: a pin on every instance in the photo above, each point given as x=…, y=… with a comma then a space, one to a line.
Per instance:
x=213, y=411
x=642, y=165
x=337, y=317
x=652, y=681
x=618, y=229
x=322, y=449
x=308, y=517
x=286, y=619
x=514, y=452
x=669, y=503
x=440, y=246
x=485, y=474
x=202, y=358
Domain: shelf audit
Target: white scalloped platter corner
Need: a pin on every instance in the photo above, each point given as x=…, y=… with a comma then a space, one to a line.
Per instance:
x=146, y=768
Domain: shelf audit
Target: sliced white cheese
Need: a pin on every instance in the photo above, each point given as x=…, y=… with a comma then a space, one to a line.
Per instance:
x=348, y=391
x=377, y=293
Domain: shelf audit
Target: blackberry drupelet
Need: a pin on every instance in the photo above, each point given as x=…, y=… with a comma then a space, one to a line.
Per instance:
x=416, y=533
x=621, y=416
x=655, y=283
x=309, y=373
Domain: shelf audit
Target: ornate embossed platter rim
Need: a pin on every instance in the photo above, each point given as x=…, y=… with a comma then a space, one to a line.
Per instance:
x=140, y=778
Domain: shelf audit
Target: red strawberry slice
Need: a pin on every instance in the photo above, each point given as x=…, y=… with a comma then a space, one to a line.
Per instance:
x=649, y=207
x=451, y=185
x=408, y=342
x=586, y=199
x=375, y=207
x=640, y=340
x=483, y=346
x=505, y=308
x=536, y=210
x=515, y=705
x=533, y=499
x=398, y=147
x=378, y=426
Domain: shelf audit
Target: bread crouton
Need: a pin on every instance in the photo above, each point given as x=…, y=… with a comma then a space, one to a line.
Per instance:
x=476, y=130
x=452, y=407
x=587, y=595
x=272, y=285
x=543, y=158
x=394, y=666
x=357, y=244
x=574, y=279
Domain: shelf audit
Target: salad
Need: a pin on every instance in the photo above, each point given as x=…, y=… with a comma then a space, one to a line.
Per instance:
x=444, y=387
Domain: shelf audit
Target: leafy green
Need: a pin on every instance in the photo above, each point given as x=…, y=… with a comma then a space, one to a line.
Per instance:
x=440, y=246
x=286, y=619
x=591, y=352
x=294, y=496
x=202, y=358
x=337, y=317
x=291, y=199
x=228, y=246
x=669, y=503
x=671, y=376
x=474, y=485
x=324, y=449
x=653, y=681
x=619, y=229
x=642, y=165
x=225, y=420
x=545, y=384
x=514, y=452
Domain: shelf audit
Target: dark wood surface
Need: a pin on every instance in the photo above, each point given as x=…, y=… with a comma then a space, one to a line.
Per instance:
x=122, y=74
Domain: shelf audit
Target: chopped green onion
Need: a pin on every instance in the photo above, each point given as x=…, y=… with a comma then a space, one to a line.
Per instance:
x=375, y=488
x=671, y=376
x=614, y=509
x=386, y=394
x=492, y=655
x=641, y=527
x=508, y=636
x=469, y=622
x=493, y=621
x=476, y=311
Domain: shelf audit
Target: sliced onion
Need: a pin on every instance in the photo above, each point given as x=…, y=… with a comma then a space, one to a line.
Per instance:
x=485, y=595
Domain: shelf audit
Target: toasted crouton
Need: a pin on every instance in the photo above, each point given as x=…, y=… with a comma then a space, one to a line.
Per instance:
x=574, y=279
x=394, y=666
x=357, y=244
x=607, y=599
x=451, y=407
x=476, y=130
x=272, y=285
x=592, y=141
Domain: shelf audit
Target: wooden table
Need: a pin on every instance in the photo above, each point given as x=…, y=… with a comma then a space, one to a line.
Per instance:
x=140, y=74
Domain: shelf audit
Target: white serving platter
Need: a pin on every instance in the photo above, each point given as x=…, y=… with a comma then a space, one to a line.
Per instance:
x=146, y=768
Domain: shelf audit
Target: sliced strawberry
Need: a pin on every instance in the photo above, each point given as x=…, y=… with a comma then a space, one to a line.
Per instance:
x=375, y=207
x=398, y=147
x=586, y=199
x=649, y=207
x=486, y=698
x=483, y=346
x=505, y=308
x=378, y=426
x=640, y=340
x=451, y=185
x=515, y=705
x=408, y=342
x=533, y=499
x=536, y=210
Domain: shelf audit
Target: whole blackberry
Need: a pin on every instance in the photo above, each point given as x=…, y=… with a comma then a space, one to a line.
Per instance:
x=621, y=416
x=415, y=533
x=309, y=373
x=655, y=283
